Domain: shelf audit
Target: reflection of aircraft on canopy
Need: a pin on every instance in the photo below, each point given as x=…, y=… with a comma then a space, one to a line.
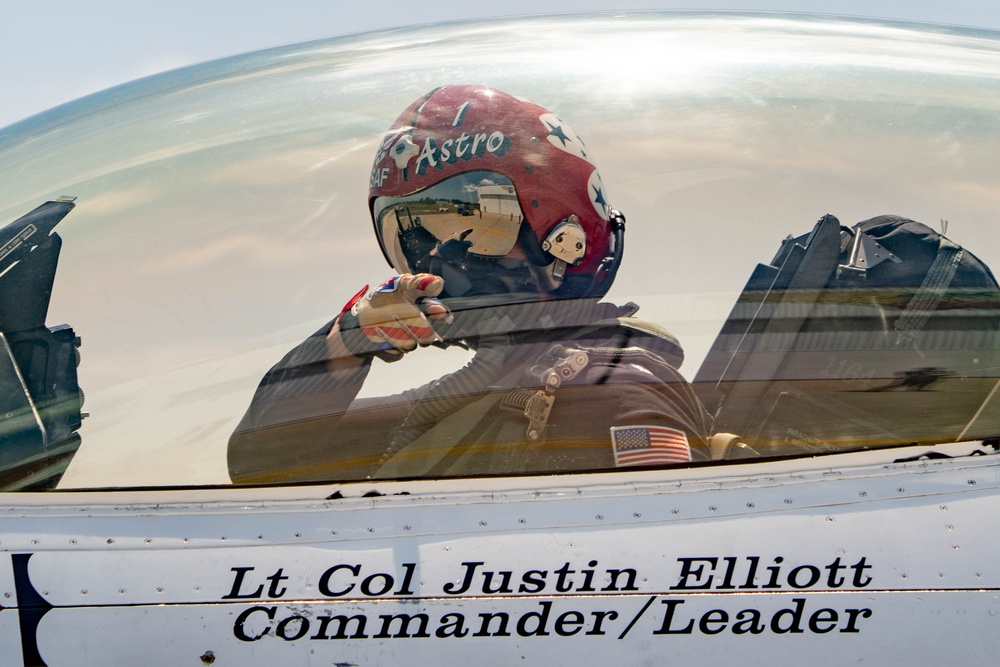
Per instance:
x=542, y=480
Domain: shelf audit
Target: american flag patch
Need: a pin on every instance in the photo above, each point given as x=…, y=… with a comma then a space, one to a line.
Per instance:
x=649, y=445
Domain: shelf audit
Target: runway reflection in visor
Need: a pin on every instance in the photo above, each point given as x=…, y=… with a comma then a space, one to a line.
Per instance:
x=479, y=207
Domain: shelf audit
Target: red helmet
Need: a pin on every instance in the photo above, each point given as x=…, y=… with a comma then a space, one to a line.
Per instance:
x=495, y=194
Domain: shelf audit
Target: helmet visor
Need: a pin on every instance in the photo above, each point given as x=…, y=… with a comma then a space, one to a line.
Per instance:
x=480, y=207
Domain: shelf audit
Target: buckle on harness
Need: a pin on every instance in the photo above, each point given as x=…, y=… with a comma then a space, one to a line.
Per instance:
x=537, y=411
x=568, y=364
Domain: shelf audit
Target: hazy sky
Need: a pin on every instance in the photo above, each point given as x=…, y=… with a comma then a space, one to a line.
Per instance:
x=53, y=51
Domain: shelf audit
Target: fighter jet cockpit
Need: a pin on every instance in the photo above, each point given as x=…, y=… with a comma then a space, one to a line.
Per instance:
x=540, y=246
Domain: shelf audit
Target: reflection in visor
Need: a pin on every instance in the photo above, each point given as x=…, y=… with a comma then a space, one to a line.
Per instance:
x=479, y=207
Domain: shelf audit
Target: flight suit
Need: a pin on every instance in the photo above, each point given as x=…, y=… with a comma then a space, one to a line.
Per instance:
x=540, y=395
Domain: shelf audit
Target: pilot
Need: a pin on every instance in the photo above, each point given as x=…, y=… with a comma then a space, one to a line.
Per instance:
x=496, y=221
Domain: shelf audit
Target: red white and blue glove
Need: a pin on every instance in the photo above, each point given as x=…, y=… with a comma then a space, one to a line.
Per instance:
x=395, y=318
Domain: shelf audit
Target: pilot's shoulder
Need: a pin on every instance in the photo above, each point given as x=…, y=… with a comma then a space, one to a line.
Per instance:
x=628, y=332
x=655, y=338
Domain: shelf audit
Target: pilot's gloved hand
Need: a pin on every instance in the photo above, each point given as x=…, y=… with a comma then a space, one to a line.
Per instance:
x=393, y=319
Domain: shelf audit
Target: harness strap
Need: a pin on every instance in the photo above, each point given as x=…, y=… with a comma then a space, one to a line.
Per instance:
x=536, y=405
x=561, y=364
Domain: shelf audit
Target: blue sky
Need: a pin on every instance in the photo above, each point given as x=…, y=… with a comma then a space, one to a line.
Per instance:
x=54, y=51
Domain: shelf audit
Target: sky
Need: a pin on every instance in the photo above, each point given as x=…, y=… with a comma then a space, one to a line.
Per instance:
x=54, y=51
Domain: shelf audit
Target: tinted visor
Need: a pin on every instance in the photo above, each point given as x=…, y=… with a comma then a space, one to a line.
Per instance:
x=480, y=207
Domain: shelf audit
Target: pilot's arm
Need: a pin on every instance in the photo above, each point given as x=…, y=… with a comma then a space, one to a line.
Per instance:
x=303, y=415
